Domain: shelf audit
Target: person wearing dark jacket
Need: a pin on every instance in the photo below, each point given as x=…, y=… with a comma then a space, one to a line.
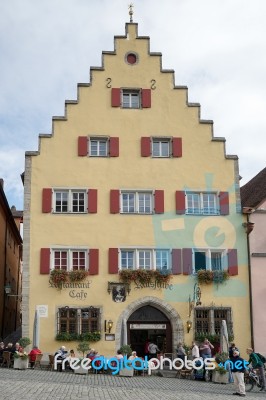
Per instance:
x=238, y=369
x=256, y=362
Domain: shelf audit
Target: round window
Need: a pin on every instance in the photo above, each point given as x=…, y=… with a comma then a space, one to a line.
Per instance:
x=131, y=58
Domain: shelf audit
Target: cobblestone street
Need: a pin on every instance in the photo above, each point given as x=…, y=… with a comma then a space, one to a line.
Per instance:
x=44, y=385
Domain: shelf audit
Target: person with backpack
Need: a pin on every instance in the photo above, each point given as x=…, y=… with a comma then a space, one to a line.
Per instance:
x=257, y=363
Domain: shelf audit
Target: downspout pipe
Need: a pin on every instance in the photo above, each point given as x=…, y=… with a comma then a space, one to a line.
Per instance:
x=250, y=289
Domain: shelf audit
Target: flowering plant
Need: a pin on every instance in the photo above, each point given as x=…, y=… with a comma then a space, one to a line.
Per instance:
x=206, y=276
x=143, y=276
x=60, y=276
x=22, y=356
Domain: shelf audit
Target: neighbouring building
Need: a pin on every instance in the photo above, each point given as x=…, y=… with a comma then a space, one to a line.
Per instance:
x=253, y=197
x=10, y=266
x=132, y=180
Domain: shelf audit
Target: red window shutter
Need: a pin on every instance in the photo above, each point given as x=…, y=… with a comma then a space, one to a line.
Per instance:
x=146, y=98
x=159, y=201
x=114, y=201
x=94, y=262
x=114, y=147
x=115, y=97
x=92, y=201
x=113, y=261
x=232, y=262
x=145, y=147
x=187, y=261
x=82, y=146
x=180, y=202
x=45, y=261
x=224, y=203
x=177, y=147
x=176, y=262
x=46, y=200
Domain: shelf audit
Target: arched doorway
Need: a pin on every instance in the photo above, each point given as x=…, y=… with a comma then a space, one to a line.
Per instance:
x=176, y=324
x=148, y=324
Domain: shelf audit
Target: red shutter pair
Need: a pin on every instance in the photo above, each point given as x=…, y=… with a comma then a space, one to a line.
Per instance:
x=93, y=261
x=146, y=150
x=180, y=197
x=115, y=201
x=145, y=97
x=47, y=200
x=83, y=146
x=231, y=256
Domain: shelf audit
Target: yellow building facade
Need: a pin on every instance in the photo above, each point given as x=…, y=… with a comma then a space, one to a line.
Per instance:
x=131, y=179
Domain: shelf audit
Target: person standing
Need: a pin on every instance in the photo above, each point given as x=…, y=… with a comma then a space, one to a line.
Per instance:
x=256, y=362
x=194, y=350
x=153, y=350
x=238, y=370
x=232, y=348
x=181, y=352
x=206, y=349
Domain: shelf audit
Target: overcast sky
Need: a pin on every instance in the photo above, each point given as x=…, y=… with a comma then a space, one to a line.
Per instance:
x=216, y=47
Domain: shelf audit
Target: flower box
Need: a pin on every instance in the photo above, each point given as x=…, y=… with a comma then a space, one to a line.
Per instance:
x=126, y=372
x=20, y=363
x=220, y=378
x=81, y=371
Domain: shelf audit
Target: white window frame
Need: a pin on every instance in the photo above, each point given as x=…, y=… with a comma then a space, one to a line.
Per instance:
x=131, y=95
x=103, y=140
x=137, y=201
x=69, y=258
x=200, y=199
x=208, y=257
x=144, y=258
x=161, y=140
x=70, y=200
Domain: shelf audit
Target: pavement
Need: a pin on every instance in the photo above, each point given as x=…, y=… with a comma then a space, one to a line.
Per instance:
x=52, y=385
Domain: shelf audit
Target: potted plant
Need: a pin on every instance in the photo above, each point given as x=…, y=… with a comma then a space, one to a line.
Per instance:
x=24, y=342
x=126, y=351
x=220, y=374
x=21, y=360
x=82, y=347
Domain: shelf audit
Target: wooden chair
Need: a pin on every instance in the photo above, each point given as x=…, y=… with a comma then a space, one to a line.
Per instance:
x=6, y=359
x=51, y=362
x=38, y=361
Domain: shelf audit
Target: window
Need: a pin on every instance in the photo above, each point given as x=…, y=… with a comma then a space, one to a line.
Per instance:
x=202, y=203
x=210, y=260
x=130, y=98
x=148, y=259
x=99, y=147
x=69, y=260
x=161, y=147
x=209, y=320
x=76, y=321
x=137, y=202
x=74, y=201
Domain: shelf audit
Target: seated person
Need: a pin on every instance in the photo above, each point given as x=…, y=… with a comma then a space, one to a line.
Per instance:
x=32, y=355
x=133, y=355
x=62, y=352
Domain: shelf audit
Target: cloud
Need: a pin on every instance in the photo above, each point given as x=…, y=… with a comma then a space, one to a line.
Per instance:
x=217, y=48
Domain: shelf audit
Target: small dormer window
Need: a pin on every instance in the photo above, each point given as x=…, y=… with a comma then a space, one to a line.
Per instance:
x=130, y=98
